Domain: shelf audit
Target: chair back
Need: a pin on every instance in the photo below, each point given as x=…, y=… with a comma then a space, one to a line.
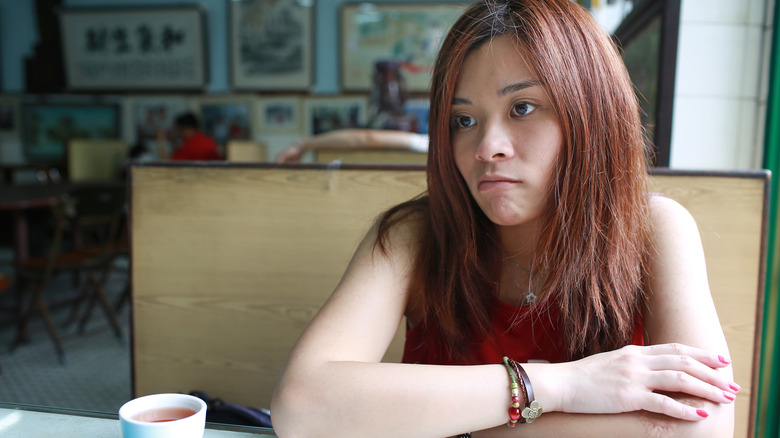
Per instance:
x=245, y=151
x=97, y=211
x=96, y=159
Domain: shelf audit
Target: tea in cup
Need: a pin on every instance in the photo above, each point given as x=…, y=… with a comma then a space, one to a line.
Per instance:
x=163, y=415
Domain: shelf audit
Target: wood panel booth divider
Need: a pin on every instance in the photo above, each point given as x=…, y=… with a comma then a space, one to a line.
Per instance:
x=231, y=261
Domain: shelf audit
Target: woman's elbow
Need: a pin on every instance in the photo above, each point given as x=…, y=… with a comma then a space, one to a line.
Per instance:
x=719, y=424
x=289, y=410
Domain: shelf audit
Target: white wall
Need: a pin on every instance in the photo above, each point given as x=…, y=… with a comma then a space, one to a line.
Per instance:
x=721, y=84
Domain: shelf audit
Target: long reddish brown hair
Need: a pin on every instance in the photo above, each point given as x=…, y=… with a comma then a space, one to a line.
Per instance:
x=590, y=254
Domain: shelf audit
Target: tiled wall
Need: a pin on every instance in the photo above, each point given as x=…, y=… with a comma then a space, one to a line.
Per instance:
x=721, y=84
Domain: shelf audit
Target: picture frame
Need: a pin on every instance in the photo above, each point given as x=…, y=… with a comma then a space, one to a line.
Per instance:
x=226, y=118
x=648, y=40
x=421, y=107
x=323, y=114
x=47, y=127
x=146, y=116
x=271, y=45
x=134, y=48
x=277, y=115
x=9, y=117
x=410, y=33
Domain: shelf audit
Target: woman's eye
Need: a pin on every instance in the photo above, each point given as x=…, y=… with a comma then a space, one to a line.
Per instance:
x=463, y=122
x=523, y=109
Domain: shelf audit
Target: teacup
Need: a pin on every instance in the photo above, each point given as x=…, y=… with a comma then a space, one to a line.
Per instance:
x=163, y=415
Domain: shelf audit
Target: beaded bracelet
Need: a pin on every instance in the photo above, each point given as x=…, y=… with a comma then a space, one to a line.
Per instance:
x=532, y=408
x=514, y=408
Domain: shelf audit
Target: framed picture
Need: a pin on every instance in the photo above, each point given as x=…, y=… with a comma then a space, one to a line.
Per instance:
x=226, y=118
x=134, y=49
x=421, y=107
x=9, y=117
x=407, y=33
x=323, y=114
x=47, y=127
x=150, y=114
x=271, y=44
x=279, y=115
x=648, y=39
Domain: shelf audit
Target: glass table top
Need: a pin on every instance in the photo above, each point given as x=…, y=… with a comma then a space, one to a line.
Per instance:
x=33, y=421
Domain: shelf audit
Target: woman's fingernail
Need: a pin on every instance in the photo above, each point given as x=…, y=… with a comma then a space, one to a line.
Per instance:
x=702, y=413
x=723, y=360
x=729, y=396
x=734, y=386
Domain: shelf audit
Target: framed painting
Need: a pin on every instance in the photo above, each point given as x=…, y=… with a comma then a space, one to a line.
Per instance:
x=420, y=107
x=323, y=114
x=150, y=114
x=226, y=118
x=47, y=127
x=648, y=40
x=134, y=49
x=279, y=115
x=9, y=117
x=408, y=33
x=271, y=44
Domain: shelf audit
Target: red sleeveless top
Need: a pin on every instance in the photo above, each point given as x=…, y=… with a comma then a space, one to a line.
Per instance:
x=532, y=338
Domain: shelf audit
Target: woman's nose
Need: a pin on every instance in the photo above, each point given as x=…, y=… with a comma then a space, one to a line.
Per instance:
x=495, y=144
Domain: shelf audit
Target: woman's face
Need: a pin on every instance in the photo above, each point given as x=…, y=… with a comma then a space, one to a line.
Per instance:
x=505, y=134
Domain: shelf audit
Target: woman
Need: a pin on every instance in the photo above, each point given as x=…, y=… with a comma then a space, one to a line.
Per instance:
x=538, y=241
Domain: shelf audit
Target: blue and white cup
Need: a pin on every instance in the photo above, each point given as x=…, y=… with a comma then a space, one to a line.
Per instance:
x=163, y=416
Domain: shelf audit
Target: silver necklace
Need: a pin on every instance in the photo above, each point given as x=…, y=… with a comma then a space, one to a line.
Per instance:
x=529, y=297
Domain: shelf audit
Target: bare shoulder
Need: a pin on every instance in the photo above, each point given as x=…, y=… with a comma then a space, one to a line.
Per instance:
x=662, y=207
x=669, y=218
x=400, y=228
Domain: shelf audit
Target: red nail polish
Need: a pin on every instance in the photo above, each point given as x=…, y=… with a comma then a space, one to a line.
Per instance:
x=723, y=360
x=734, y=386
x=702, y=413
x=729, y=396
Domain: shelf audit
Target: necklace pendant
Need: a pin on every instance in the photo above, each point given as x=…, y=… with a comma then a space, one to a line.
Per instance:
x=530, y=297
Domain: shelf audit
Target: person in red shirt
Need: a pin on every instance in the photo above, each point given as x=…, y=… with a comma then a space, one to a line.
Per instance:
x=194, y=144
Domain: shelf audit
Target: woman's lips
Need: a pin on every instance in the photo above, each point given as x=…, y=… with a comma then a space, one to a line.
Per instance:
x=490, y=183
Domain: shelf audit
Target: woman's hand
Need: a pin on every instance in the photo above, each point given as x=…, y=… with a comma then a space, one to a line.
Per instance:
x=636, y=378
x=293, y=153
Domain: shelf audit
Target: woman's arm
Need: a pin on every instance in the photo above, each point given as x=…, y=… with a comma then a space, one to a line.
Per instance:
x=351, y=139
x=679, y=309
x=334, y=385
x=679, y=305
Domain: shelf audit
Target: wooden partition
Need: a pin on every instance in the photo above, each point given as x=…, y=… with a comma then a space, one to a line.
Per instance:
x=230, y=262
x=731, y=212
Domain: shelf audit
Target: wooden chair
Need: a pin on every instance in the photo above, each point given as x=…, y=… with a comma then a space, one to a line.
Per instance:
x=370, y=156
x=96, y=159
x=245, y=151
x=224, y=285
x=91, y=218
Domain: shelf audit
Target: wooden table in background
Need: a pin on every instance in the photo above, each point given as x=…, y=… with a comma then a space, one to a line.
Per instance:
x=19, y=199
